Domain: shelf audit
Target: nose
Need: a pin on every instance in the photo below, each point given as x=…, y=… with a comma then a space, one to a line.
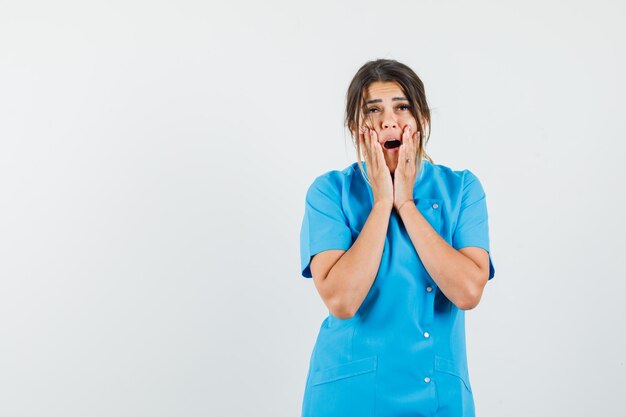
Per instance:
x=389, y=123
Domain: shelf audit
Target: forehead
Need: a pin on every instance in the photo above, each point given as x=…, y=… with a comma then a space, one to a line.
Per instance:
x=383, y=89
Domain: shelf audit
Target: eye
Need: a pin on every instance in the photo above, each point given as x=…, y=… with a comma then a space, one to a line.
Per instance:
x=403, y=107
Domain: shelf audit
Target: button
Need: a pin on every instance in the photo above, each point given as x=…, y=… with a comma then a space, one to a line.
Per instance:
x=435, y=205
x=426, y=335
x=429, y=289
x=427, y=379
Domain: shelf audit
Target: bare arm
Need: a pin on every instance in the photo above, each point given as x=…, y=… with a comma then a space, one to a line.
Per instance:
x=460, y=278
x=352, y=276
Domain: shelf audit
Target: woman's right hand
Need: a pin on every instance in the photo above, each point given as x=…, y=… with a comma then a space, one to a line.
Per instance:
x=376, y=167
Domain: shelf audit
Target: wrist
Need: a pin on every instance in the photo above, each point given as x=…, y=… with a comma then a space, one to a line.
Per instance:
x=383, y=205
x=404, y=205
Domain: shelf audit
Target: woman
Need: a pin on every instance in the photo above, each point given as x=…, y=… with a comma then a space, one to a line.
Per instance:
x=397, y=252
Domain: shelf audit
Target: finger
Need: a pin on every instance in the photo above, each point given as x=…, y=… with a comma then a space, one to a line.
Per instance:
x=366, y=144
x=406, y=146
x=406, y=133
x=380, y=157
x=413, y=149
x=362, y=145
x=418, y=137
x=371, y=149
x=410, y=151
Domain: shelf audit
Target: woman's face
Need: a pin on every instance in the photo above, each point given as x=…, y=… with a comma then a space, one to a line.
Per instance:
x=387, y=112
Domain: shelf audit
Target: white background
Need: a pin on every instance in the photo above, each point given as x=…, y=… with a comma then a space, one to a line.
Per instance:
x=154, y=159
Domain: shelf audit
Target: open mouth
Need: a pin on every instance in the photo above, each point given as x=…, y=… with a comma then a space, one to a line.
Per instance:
x=392, y=144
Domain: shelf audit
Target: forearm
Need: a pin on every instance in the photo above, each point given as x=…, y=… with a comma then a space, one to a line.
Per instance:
x=458, y=277
x=351, y=278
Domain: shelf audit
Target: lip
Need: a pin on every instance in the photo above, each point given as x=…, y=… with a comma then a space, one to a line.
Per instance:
x=398, y=137
x=392, y=150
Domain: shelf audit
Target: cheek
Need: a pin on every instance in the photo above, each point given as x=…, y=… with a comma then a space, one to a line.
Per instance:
x=365, y=120
x=409, y=120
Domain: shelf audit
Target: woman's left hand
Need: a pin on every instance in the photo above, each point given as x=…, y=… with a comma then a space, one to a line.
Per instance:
x=406, y=172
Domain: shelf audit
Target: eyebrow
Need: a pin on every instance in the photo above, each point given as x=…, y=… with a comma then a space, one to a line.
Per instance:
x=380, y=100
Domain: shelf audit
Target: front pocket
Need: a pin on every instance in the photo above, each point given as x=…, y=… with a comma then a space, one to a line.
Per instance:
x=345, y=370
x=344, y=390
x=449, y=367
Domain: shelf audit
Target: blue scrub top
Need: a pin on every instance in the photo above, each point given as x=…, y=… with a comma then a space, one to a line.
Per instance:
x=403, y=352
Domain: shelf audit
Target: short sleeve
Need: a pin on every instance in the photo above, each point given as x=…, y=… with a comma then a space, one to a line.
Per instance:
x=324, y=225
x=472, y=228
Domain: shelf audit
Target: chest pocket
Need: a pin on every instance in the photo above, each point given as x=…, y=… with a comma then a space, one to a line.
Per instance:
x=431, y=209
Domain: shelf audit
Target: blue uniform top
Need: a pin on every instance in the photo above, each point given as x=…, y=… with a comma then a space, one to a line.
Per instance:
x=403, y=352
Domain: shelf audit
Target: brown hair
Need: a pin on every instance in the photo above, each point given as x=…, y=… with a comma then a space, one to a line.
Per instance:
x=388, y=70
